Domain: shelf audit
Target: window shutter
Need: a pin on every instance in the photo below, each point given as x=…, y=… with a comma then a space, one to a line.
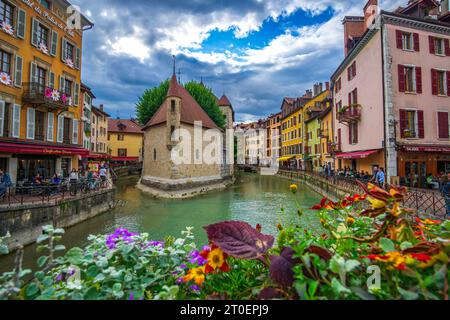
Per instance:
x=418, y=79
x=349, y=99
x=51, y=80
x=63, y=49
x=60, y=129
x=348, y=74
x=339, y=138
x=61, y=83
x=54, y=47
x=447, y=47
x=74, y=131
x=355, y=96
x=401, y=78
x=355, y=133
x=19, y=71
x=432, y=47
x=77, y=58
x=448, y=83
x=50, y=126
x=21, y=23
x=2, y=117
x=354, y=69
x=16, y=121
x=30, y=123
x=434, y=82
x=443, y=125
x=350, y=133
x=416, y=42
x=403, y=123
x=33, y=72
x=398, y=35
x=34, y=32
x=76, y=96
x=420, y=124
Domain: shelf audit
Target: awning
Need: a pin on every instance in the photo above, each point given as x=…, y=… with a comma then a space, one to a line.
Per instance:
x=355, y=155
x=98, y=156
x=17, y=148
x=282, y=159
x=125, y=158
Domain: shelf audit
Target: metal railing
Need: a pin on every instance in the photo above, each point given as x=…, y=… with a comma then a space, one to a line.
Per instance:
x=21, y=194
x=37, y=93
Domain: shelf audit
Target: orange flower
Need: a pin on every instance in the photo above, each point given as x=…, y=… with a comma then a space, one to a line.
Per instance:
x=216, y=259
x=350, y=220
x=196, y=274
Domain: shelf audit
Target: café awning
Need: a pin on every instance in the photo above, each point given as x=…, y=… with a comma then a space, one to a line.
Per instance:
x=18, y=148
x=125, y=158
x=283, y=159
x=356, y=154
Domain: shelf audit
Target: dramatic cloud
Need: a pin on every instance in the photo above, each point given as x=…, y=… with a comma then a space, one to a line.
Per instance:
x=256, y=51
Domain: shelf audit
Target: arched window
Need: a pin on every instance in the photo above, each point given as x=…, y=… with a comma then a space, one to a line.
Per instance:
x=154, y=154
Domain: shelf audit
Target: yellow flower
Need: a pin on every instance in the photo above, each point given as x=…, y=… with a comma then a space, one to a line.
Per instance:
x=196, y=274
x=293, y=188
x=376, y=204
x=350, y=220
x=216, y=258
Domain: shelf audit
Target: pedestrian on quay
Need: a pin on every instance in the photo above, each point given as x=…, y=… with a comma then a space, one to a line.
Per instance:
x=73, y=178
x=381, y=178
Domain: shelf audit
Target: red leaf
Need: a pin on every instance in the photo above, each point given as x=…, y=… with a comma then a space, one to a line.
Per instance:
x=238, y=239
x=281, y=267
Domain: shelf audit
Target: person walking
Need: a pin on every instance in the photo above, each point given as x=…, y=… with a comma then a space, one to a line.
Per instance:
x=73, y=178
x=381, y=178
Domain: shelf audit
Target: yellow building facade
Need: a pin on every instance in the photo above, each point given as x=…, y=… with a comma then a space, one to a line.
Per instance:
x=292, y=132
x=40, y=78
x=125, y=140
x=326, y=136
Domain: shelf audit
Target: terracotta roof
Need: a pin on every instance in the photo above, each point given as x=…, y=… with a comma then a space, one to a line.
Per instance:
x=224, y=101
x=123, y=125
x=190, y=110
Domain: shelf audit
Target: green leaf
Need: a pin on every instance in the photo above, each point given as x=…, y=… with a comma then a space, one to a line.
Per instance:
x=74, y=256
x=42, y=261
x=39, y=275
x=60, y=247
x=405, y=245
x=351, y=264
x=446, y=225
x=339, y=288
x=408, y=295
x=59, y=231
x=99, y=278
x=91, y=294
x=42, y=238
x=387, y=245
x=92, y=271
x=117, y=287
x=47, y=282
x=31, y=290
x=48, y=228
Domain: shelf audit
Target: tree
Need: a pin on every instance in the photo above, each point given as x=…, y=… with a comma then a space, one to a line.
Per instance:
x=207, y=100
x=150, y=102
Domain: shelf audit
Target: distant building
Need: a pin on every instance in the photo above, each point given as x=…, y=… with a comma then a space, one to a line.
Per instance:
x=125, y=141
x=99, y=132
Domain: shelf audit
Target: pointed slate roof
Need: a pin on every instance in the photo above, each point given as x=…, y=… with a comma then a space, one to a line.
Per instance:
x=224, y=101
x=190, y=109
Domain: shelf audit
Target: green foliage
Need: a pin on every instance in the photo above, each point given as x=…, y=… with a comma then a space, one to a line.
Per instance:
x=206, y=99
x=150, y=101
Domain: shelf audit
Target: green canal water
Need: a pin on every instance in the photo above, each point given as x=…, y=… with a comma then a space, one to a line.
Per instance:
x=253, y=199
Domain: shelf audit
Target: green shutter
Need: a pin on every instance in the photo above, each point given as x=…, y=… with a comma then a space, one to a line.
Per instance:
x=63, y=49
x=18, y=72
x=51, y=79
x=33, y=72
x=54, y=46
x=21, y=23
x=76, y=96
x=61, y=83
x=34, y=32
x=78, y=58
x=2, y=116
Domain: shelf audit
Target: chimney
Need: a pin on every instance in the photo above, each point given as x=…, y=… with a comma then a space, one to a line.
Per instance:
x=327, y=86
x=308, y=94
x=354, y=28
x=370, y=12
x=320, y=87
x=101, y=107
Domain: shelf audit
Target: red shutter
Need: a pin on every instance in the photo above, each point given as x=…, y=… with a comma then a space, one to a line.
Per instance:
x=355, y=133
x=421, y=124
x=339, y=137
x=447, y=47
x=355, y=96
x=432, y=48
x=349, y=99
x=434, y=82
x=350, y=134
x=354, y=69
x=416, y=42
x=401, y=78
x=448, y=83
x=418, y=79
x=398, y=35
x=403, y=123
x=443, y=125
x=348, y=73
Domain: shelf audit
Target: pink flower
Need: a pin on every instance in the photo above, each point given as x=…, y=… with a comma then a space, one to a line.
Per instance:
x=64, y=98
x=48, y=92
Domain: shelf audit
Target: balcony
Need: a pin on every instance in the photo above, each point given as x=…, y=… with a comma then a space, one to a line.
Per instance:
x=349, y=114
x=39, y=95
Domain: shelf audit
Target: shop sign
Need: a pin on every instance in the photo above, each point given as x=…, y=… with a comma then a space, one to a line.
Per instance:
x=426, y=149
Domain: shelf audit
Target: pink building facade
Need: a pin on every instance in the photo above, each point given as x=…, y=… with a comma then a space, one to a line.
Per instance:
x=392, y=96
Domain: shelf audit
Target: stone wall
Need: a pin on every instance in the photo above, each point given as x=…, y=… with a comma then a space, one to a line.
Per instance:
x=24, y=222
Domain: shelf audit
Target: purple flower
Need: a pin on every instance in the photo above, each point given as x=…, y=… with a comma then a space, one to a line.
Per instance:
x=195, y=288
x=183, y=266
x=131, y=296
x=119, y=235
x=59, y=277
x=179, y=280
x=206, y=248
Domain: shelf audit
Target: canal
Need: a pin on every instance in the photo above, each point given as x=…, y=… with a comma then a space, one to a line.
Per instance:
x=254, y=198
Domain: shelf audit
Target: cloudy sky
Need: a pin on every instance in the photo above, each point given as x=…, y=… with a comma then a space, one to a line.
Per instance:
x=256, y=51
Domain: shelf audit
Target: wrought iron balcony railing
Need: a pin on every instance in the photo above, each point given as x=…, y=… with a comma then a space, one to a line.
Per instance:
x=38, y=94
x=350, y=114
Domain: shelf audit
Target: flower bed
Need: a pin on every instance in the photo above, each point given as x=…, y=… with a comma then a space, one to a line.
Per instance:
x=383, y=252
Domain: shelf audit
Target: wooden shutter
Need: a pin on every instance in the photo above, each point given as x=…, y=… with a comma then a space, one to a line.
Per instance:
x=355, y=96
x=77, y=58
x=30, y=123
x=447, y=47
x=50, y=126
x=349, y=99
x=421, y=124
x=418, y=79
x=33, y=72
x=61, y=83
x=34, y=32
x=18, y=71
x=448, y=83
x=432, y=47
x=354, y=69
x=355, y=133
x=416, y=42
x=339, y=137
x=63, y=49
x=74, y=131
x=76, y=95
x=54, y=46
x=60, y=129
x=21, y=23
x=350, y=134
x=443, y=125
x=398, y=36
x=51, y=80
x=348, y=74
x=403, y=123
x=401, y=78
x=434, y=82
x=2, y=117
x=16, y=121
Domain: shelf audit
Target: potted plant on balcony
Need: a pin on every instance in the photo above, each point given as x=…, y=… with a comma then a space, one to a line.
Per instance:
x=43, y=48
x=5, y=79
